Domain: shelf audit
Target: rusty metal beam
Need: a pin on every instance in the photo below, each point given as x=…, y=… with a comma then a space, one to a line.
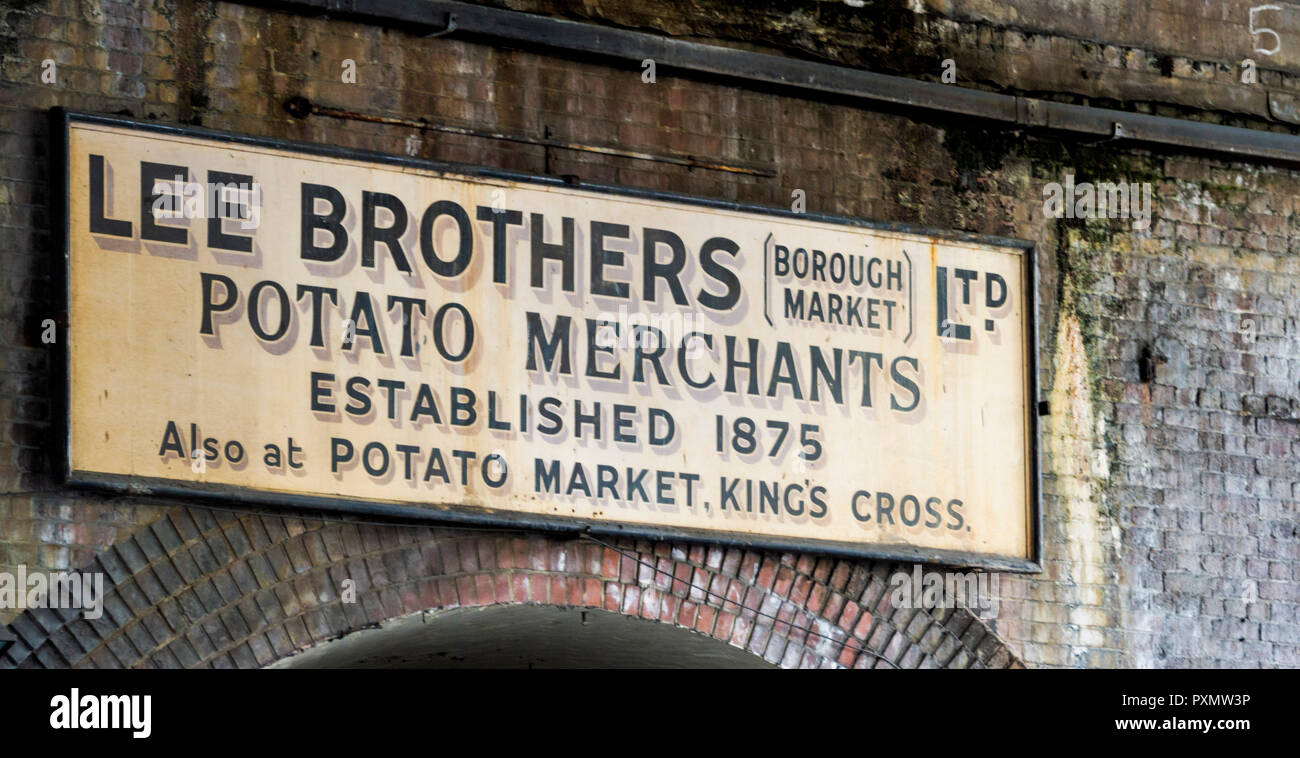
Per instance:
x=512, y=28
x=301, y=107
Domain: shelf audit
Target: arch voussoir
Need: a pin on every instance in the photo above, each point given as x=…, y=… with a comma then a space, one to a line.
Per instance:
x=213, y=588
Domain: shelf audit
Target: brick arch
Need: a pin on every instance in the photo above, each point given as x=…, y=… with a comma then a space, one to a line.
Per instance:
x=203, y=587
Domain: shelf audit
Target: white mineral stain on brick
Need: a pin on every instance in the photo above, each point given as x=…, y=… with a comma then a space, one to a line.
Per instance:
x=1076, y=453
x=829, y=639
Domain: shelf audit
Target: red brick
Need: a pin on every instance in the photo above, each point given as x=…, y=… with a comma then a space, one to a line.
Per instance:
x=704, y=619
x=784, y=618
x=850, y=615
x=767, y=574
x=631, y=600
x=735, y=596
x=649, y=604
x=613, y=596
x=784, y=580
x=668, y=608
x=465, y=590
x=722, y=629
x=834, y=606
x=863, y=626
x=591, y=595
x=816, y=598
x=840, y=578
x=699, y=580
x=411, y=601
x=505, y=554
x=686, y=614
x=448, y=593
x=429, y=593
x=663, y=574
x=800, y=589
x=628, y=569
x=682, y=575
x=609, y=564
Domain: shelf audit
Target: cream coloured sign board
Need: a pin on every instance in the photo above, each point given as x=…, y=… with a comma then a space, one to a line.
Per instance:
x=284, y=323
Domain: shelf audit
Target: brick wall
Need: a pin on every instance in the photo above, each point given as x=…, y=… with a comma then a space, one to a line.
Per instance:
x=1170, y=504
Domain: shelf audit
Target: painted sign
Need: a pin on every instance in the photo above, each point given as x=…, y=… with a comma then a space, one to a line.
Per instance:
x=294, y=324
